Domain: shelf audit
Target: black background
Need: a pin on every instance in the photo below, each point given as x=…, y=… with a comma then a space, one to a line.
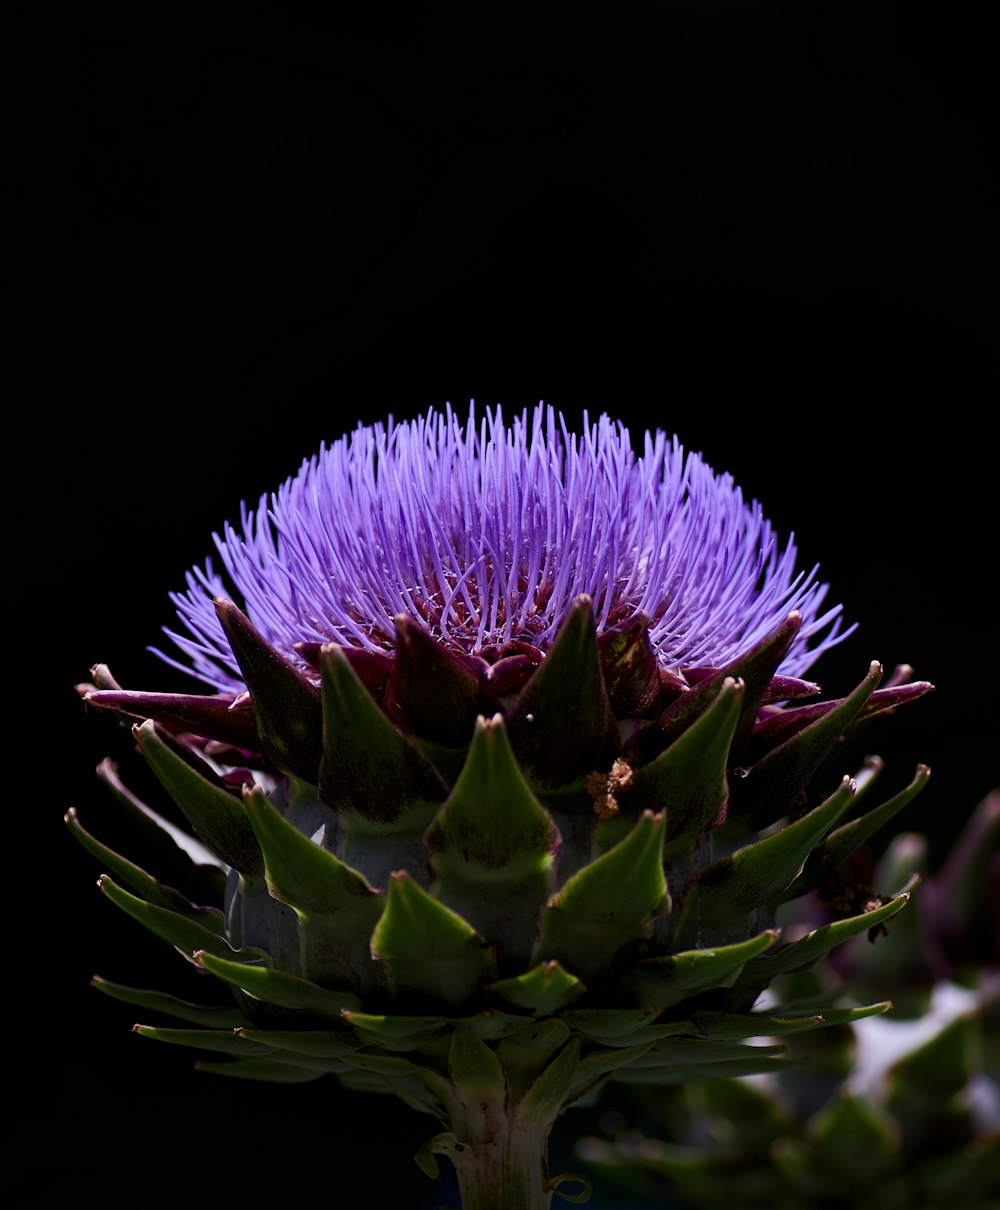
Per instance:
x=767, y=227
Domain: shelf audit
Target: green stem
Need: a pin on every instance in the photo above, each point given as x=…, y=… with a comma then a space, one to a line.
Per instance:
x=504, y=1167
x=501, y=1106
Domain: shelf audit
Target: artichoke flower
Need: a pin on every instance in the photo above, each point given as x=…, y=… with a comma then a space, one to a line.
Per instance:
x=506, y=767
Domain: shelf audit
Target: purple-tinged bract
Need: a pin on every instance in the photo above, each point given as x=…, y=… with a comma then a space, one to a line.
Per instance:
x=487, y=532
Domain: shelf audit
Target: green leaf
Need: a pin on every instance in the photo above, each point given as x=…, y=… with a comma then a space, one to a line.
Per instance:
x=262, y=982
x=383, y=788
x=727, y=892
x=221, y=1017
x=773, y=783
x=336, y=908
x=673, y=978
x=491, y=847
x=688, y=780
x=215, y=813
x=429, y=951
x=561, y=724
x=542, y=990
x=608, y=904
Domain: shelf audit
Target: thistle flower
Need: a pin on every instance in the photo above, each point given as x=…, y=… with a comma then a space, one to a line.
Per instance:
x=507, y=767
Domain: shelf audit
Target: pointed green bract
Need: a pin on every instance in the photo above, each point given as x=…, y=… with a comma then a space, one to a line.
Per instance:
x=808, y=950
x=622, y=1027
x=429, y=951
x=673, y=978
x=544, y=989
x=688, y=779
x=421, y=1086
x=393, y=1032
x=830, y=854
x=269, y=986
x=491, y=820
x=556, y=745
x=383, y=788
x=141, y=883
x=199, y=876
x=474, y=1068
x=543, y=1101
x=286, y=703
x=732, y=888
x=336, y=908
x=211, y=1016
x=607, y=905
x=181, y=931
x=735, y=1026
x=754, y=670
x=609, y=1024
x=492, y=832
x=215, y=814
x=689, y=1052
x=224, y=1041
x=316, y=1043
x=771, y=786
x=597, y=1066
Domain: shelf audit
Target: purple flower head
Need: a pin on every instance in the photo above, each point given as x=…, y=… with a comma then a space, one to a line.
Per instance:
x=486, y=532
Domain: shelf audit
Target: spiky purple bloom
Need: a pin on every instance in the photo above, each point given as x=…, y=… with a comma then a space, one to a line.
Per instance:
x=520, y=780
x=487, y=532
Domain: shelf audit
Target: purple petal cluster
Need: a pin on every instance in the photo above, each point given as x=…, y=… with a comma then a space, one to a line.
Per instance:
x=486, y=531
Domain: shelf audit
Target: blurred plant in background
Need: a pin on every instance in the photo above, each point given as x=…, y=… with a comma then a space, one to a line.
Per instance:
x=900, y=1110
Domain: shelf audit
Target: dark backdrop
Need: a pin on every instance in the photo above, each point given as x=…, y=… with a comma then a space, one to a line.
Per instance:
x=766, y=227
